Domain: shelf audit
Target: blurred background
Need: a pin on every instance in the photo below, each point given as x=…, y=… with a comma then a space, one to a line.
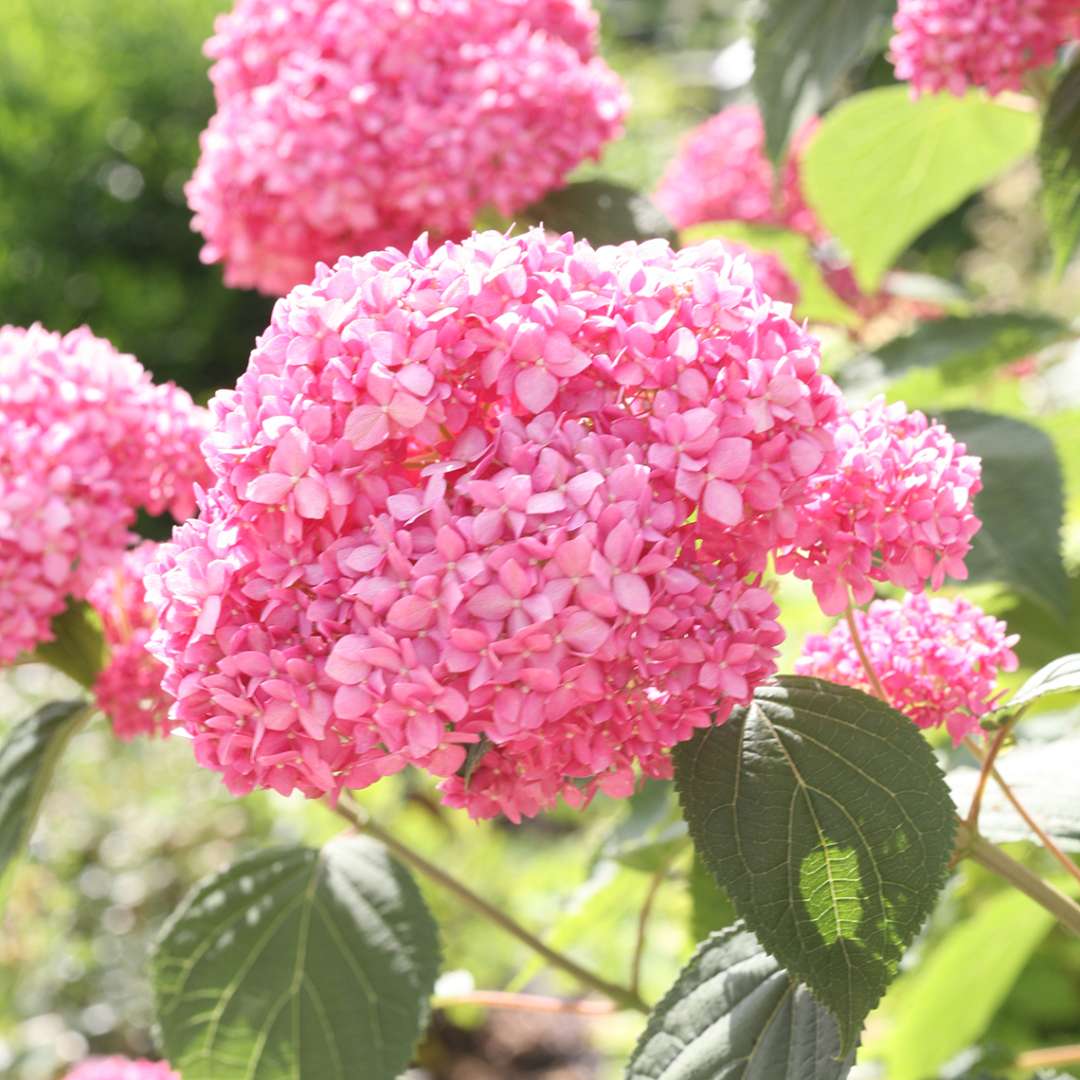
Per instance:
x=101, y=105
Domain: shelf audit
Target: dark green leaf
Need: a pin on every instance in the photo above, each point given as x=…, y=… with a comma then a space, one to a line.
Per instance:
x=1059, y=162
x=883, y=167
x=78, y=645
x=735, y=1014
x=824, y=816
x=1021, y=506
x=1043, y=776
x=967, y=346
x=817, y=301
x=1062, y=676
x=296, y=964
x=28, y=760
x=600, y=212
x=930, y=1030
x=801, y=53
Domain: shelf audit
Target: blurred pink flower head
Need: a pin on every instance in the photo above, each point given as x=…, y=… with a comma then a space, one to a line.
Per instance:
x=497, y=509
x=954, y=45
x=86, y=439
x=345, y=126
x=120, y=1068
x=937, y=658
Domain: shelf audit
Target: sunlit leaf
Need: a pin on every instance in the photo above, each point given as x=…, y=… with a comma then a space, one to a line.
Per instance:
x=1059, y=162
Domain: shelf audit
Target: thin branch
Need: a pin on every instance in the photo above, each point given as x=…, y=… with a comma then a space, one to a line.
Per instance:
x=864, y=657
x=500, y=999
x=984, y=774
x=358, y=818
x=1045, y=839
x=1063, y=908
x=1048, y=1058
x=643, y=923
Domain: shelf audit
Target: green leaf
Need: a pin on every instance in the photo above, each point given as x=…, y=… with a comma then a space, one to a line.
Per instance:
x=600, y=212
x=1043, y=776
x=929, y=1029
x=1059, y=162
x=801, y=53
x=817, y=302
x=882, y=167
x=1022, y=505
x=967, y=346
x=735, y=1014
x=296, y=964
x=823, y=814
x=78, y=645
x=1061, y=676
x=650, y=833
x=28, y=758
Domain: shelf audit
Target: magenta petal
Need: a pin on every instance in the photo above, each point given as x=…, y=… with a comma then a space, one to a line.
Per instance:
x=535, y=388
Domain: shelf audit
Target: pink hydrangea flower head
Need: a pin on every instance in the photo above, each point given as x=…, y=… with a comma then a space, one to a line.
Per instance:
x=345, y=126
x=954, y=45
x=496, y=509
x=937, y=658
x=86, y=439
x=770, y=273
x=722, y=173
x=121, y=1068
x=898, y=508
x=128, y=690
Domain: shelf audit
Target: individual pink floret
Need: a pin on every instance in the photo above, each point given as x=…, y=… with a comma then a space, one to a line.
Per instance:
x=498, y=510
x=954, y=45
x=898, y=508
x=345, y=126
x=121, y=1068
x=128, y=690
x=937, y=658
x=86, y=438
x=722, y=173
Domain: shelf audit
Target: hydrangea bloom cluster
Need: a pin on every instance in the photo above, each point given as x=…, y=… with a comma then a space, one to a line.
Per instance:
x=769, y=272
x=349, y=125
x=497, y=510
x=128, y=690
x=957, y=44
x=937, y=658
x=898, y=508
x=86, y=439
x=121, y=1068
x=722, y=173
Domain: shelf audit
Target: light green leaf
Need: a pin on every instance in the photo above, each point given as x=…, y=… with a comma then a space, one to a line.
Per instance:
x=735, y=1014
x=882, y=168
x=1061, y=676
x=1022, y=505
x=817, y=302
x=930, y=1030
x=801, y=53
x=296, y=964
x=969, y=346
x=600, y=212
x=1059, y=162
x=1043, y=777
x=28, y=760
x=824, y=816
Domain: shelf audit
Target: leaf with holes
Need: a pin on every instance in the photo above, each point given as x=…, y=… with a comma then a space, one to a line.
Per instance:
x=1021, y=505
x=880, y=151
x=966, y=347
x=801, y=53
x=28, y=760
x=1059, y=163
x=735, y=1014
x=296, y=964
x=824, y=816
x=600, y=212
